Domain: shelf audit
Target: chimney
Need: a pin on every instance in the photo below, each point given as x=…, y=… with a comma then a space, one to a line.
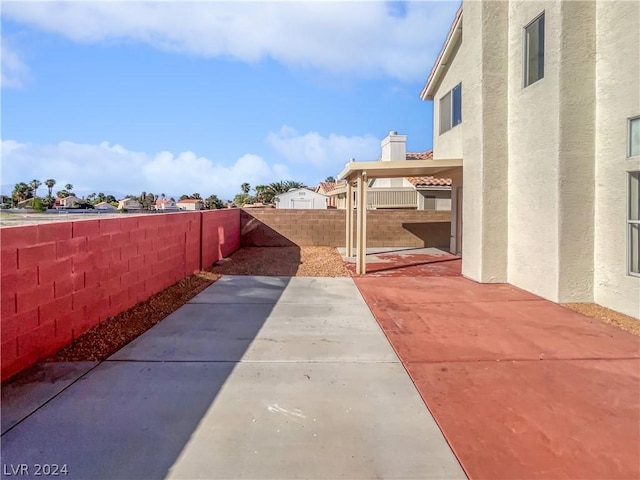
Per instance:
x=394, y=147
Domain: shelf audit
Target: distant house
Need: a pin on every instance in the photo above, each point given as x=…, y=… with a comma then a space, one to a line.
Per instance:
x=190, y=204
x=166, y=205
x=129, y=204
x=302, y=198
x=28, y=203
x=106, y=206
x=325, y=188
x=67, y=202
x=411, y=193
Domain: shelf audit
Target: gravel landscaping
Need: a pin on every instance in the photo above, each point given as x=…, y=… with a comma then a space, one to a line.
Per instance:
x=620, y=320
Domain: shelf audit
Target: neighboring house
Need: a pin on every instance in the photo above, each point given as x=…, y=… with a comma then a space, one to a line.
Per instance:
x=541, y=101
x=325, y=188
x=301, y=198
x=413, y=193
x=166, y=205
x=129, y=204
x=70, y=201
x=28, y=203
x=190, y=204
x=105, y=206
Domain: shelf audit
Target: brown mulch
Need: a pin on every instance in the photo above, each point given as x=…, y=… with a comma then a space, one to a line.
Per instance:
x=114, y=333
x=620, y=320
x=287, y=261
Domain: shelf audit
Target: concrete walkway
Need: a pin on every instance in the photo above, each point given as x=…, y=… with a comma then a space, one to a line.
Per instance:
x=257, y=377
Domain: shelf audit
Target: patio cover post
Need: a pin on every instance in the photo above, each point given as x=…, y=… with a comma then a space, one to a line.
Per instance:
x=349, y=221
x=361, y=212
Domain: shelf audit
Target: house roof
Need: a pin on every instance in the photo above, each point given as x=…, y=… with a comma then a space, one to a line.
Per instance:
x=190, y=200
x=326, y=187
x=429, y=181
x=103, y=203
x=161, y=201
x=428, y=155
x=442, y=62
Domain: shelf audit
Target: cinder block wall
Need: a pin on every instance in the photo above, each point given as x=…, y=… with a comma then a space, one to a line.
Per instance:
x=385, y=228
x=60, y=279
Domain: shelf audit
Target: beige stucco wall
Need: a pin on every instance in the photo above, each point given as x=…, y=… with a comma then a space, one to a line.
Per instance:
x=533, y=134
x=618, y=96
x=545, y=167
x=480, y=139
x=449, y=144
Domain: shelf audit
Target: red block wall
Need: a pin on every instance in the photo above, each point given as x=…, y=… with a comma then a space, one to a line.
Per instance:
x=60, y=279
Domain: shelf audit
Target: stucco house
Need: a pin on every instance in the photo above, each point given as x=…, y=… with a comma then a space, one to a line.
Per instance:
x=301, y=198
x=166, y=204
x=70, y=201
x=129, y=204
x=190, y=204
x=415, y=193
x=105, y=206
x=541, y=101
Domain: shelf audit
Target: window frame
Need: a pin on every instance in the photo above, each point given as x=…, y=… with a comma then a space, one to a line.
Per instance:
x=629, y=138
x=450, y=125
x=525, y=50
x=630, y=222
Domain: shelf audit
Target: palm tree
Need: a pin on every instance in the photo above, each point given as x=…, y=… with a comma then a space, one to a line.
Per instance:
x=329, y=179
x=245, y=187
x=69, y=187
x=33, y=185
x=196, y=196
x=21, y=192
x=50, y=182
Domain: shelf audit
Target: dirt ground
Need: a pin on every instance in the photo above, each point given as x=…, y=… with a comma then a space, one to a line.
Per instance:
x=114, y=333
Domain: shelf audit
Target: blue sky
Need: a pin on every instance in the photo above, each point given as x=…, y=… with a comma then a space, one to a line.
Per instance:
x=177, y=97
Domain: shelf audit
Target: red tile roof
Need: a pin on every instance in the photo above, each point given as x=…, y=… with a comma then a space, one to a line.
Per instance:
x=326, y=187
x=428, y=155
x=429, y=181
x=189, y=200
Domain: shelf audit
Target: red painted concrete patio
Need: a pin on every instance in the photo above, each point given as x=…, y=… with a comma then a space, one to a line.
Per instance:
x=521, y=387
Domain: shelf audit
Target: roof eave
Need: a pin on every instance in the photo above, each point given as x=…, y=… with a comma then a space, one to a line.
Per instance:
x=443, y=60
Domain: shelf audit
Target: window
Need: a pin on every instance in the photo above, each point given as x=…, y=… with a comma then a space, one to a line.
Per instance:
x=633, y=224
x=634, y=137
x=534, y=51
x=451, y=109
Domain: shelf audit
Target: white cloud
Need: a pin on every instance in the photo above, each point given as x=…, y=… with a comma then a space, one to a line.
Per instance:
x=330, y=153
x=106, y=167
x=14, y=71
x=359, y=38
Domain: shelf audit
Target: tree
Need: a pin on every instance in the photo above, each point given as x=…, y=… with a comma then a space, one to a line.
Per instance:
x=213, y=201
x=329, y=179
x=34, y=185
x=245, y=187
x=196, y=196
x=50, y=182
x=21, y=191
x=277, y=188
x=69, y=187
x=243, y=199
x=184, y=197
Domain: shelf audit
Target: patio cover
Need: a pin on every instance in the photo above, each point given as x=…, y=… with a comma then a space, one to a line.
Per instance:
x=361, y=172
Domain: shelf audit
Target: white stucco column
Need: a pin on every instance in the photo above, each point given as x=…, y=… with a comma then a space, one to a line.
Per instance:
x=349, y=221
